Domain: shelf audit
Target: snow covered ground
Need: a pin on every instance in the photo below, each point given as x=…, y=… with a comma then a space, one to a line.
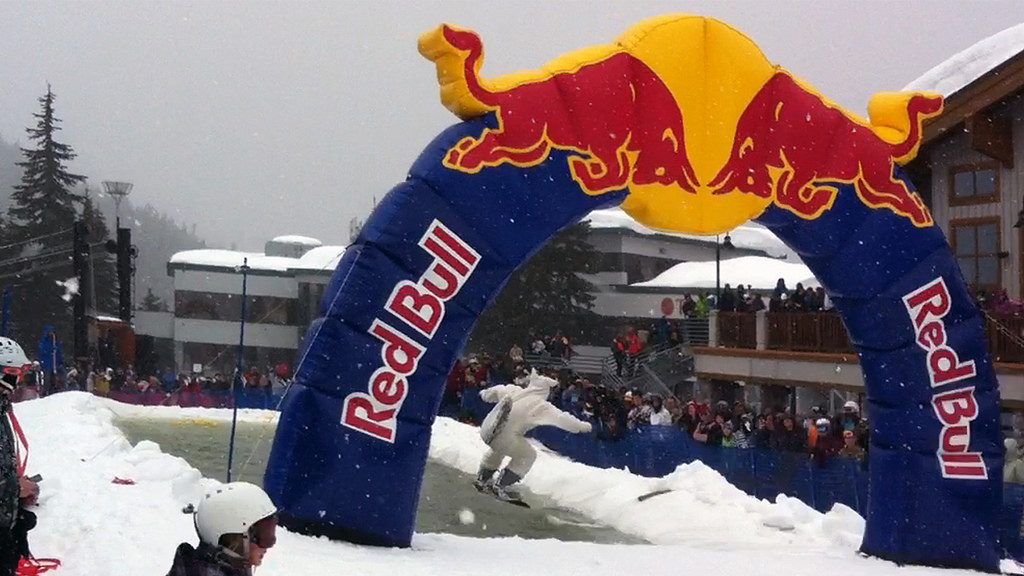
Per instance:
x=104, y=529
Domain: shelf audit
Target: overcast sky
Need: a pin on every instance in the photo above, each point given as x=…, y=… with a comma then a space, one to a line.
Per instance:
x=258, y=119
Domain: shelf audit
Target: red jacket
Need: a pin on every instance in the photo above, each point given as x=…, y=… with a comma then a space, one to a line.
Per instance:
x=634, y=346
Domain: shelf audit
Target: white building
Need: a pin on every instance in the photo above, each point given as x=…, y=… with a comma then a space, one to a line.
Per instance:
x=286, y=282
x=284, y=285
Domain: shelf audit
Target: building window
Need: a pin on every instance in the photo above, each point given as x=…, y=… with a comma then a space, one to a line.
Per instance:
x=976, y=243
x=228, y=308
x=974, y=184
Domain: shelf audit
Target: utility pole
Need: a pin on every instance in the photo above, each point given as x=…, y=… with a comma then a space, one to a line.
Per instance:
x=83, y=303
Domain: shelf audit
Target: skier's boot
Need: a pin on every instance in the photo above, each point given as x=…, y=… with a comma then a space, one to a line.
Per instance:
x=484, y=480
x=503, y=490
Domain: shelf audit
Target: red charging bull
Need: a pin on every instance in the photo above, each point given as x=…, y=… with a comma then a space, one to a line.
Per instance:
x=615, y=115
x=813, y=147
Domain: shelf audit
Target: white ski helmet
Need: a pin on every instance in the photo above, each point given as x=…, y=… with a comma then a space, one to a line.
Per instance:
x=231, y=509
x=11, y=354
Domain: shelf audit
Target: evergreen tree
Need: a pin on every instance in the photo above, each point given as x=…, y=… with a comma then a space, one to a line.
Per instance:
x=152, y=303
x=545, y=295
x=104, y=265
x=44, y=207
x=44, y=201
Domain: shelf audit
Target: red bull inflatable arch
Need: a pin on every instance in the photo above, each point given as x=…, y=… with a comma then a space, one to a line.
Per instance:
x=687, y=126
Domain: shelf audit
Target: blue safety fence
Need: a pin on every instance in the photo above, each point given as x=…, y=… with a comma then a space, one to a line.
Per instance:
x=656, y=451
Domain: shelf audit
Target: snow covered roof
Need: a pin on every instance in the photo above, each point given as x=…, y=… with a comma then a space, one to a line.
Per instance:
x=323, y=258
x=294, y=239
x=758, y=271
x=965, y=67
x=751, y=235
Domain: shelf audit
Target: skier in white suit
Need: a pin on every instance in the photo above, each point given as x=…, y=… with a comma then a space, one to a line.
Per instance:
x=518, y=411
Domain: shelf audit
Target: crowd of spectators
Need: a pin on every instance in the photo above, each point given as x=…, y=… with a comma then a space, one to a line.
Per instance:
x=103, y=382
x=616, y=412
x=782, y=299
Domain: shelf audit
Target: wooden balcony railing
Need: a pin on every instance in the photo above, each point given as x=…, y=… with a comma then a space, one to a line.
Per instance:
x=825, y=332
x=807, y=332
x=737, y=330
x=1005, y=338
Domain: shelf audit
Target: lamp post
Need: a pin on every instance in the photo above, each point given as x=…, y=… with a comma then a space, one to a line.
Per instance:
x=727, y=244
x=119, y=191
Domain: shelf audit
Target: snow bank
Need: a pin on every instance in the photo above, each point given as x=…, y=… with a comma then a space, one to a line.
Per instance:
x=701, y=509
x=965, y=67
x=760, y=272
x=99, y=528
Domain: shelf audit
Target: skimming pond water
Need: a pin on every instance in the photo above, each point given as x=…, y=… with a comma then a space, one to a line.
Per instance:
x=446, y=491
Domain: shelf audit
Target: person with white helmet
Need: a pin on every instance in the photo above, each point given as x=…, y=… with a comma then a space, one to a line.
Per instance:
x=236, y=524
x=518, y=411
x=16, y=491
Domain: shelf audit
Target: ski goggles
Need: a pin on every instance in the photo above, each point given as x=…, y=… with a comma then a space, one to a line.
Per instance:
x=10, y=376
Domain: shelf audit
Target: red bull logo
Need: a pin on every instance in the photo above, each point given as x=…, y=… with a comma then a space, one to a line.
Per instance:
x=619, y=111
x=792, y=145
x=615, y=115
x=955, y=409
x=420, y=306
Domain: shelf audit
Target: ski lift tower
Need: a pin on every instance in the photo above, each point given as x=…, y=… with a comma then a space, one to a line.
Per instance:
x=119, y=191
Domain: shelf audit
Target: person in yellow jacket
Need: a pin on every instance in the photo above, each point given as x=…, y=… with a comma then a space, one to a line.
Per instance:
x=102, y=383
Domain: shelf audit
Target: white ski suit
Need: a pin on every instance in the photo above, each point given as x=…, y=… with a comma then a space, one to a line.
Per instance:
x=505, y=436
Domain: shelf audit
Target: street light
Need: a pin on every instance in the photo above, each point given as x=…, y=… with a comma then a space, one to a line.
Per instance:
x=119, y=191
x=727, y=244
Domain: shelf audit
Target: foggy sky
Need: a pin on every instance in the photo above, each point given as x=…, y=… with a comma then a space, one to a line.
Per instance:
x=254, y=119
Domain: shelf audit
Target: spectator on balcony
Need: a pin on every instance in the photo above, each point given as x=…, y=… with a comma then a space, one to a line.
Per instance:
x=538, y=348
x=702, y=307
x=828, y=444
x=728, y=303
x=515, y=354
x=778, y=303
x=851, y=449
x=742, y=299
x=798, y=301
x=688, y=308
x=780, y=288
x=788, y=437
x=754, y=303
x=660, y=416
